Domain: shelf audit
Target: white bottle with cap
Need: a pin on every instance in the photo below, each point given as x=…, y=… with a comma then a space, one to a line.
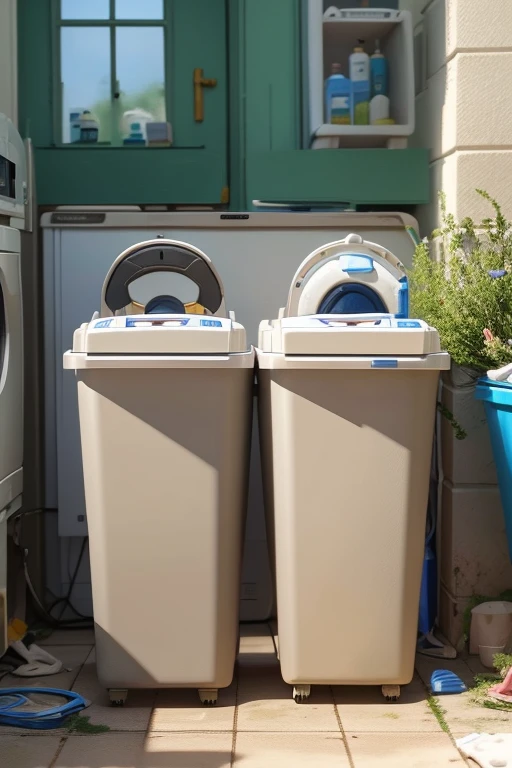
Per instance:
x=359, y=66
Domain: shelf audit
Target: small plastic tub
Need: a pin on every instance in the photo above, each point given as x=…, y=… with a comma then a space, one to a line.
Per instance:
x=487, y=654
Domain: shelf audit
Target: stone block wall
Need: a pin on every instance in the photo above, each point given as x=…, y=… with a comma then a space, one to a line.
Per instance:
x=463, y=115
x=464, y=102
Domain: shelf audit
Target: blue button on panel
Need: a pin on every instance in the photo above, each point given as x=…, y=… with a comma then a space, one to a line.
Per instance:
x=384, y=363
x=211, y=323
x=135, y=322
x=408, y=324
x=353, y=262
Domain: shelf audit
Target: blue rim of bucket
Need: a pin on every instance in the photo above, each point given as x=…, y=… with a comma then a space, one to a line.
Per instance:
x=498, y=392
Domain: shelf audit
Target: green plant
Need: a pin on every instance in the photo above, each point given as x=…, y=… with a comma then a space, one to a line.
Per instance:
x=80, y=724
x=438, y=712
x=479, y=693
x=151, y=100
x=502, y=663
x=461, y=284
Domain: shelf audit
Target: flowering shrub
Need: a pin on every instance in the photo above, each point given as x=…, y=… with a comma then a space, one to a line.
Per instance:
x=461, y=284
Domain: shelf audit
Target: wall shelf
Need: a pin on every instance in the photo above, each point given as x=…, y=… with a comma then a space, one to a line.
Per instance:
x=332, y=40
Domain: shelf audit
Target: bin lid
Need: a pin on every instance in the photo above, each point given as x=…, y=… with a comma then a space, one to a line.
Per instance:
x=354, y=335
x=159, y=334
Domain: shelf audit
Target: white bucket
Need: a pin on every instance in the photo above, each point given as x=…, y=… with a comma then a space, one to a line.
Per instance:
x=487, y=654
x=491, y=625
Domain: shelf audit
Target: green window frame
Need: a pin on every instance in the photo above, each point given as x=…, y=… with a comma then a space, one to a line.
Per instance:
x=111, y=23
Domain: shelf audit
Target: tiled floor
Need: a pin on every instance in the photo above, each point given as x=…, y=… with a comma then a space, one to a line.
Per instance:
x=256, y=723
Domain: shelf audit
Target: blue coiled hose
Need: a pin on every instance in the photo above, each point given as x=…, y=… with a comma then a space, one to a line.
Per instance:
x=52, y=717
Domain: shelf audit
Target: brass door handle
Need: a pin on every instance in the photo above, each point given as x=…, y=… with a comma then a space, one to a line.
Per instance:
x=200, y=82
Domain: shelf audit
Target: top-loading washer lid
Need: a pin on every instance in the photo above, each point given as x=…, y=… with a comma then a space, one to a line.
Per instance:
x=353, y=335
x=348, y=276
x=161, y=335
x=162, y=255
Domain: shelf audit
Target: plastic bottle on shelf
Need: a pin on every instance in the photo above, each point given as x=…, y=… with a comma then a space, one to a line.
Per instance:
x=136, y=135
x=89, y=128
x=359, y=67
x=74, y=125
x=379, y=109
x=378, y=72
x=337, y=97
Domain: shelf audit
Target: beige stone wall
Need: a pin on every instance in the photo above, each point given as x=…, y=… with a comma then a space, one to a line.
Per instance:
x=8, y=66
x=464, y=102
x=464, y=116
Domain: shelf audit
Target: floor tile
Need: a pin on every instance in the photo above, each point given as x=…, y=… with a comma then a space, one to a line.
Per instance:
x=476, y=666
x=115, y=750
x=69, y=637
x=18, y=751
x=424, y=750
x=364, y=709
x=425, y=665
x=286, y=750
x=463, y=716
x=257, y=650
x=72, y=657
x=265, y=704
x=181, y=710
x=135, y=714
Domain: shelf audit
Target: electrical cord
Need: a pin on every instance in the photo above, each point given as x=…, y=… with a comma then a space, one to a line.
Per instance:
x=66, y=599
x=82, y=621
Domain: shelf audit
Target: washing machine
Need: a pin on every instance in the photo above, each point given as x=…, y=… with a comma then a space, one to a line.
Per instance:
x=165, y=405
x=347, y=404
x=13, y=191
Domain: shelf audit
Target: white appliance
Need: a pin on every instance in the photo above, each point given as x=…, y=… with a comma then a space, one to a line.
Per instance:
x=254, y=252
x=13, y=196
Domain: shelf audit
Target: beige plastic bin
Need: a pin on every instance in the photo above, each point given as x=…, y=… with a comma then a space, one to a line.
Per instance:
x=165, y=412
x=346, y=428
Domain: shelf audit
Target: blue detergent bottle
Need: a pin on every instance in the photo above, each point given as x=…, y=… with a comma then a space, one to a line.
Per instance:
x=337, y=97
x=378, y=73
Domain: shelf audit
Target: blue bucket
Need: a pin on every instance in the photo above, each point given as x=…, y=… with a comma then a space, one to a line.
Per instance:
x=497, y=398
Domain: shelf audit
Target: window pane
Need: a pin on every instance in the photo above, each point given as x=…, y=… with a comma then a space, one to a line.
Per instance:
x=84, y=9
x=85, y=76
x=141, y=78
x=140, y=9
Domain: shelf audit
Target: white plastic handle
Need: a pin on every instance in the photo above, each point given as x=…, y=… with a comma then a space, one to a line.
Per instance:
x=362, y=318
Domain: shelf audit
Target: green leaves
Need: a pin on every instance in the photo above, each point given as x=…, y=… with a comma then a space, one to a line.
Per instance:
x=461, y=284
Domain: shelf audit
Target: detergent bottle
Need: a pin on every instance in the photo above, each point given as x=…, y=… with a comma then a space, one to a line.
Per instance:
x=359, y=65
x=337, y=97
x=378, y=72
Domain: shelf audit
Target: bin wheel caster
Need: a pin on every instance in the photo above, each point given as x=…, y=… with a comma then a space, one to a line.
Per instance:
x=208, y=696
x=117, y=696
x=301, y=693
x=391, y=692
